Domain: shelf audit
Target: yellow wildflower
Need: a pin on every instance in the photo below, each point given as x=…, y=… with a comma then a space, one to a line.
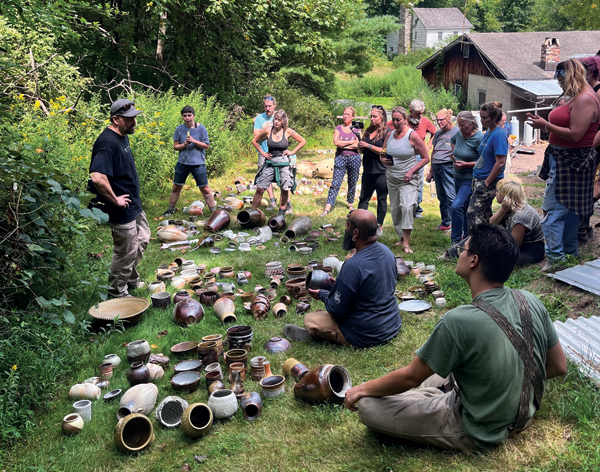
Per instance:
x=37, y=104
x=38, y=150
x=14, y=368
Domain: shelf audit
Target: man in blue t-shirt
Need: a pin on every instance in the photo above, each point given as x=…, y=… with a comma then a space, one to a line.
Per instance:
x=360, y=309
x=114, y=181
x=191, y=140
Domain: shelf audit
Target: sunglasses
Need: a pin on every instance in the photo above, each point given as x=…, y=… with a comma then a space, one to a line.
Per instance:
x=269, y=98
x=126, y=107
x=377, y=107
x=560, y=72
x=350, y=219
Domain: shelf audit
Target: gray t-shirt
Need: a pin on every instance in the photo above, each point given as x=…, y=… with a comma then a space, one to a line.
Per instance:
x=442, y=146
x=192, y=154
x=528, y=217
x=466, y=150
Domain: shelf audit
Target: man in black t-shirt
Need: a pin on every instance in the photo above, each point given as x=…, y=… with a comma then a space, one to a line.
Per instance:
x=114, y=181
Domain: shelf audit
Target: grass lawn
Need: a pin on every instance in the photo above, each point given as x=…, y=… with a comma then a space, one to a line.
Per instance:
x=290, y=435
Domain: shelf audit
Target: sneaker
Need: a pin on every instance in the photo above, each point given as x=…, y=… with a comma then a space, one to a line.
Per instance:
x=168, y=213
x=418, y=215
x=137, y=285
x=550, y=267
x=295, y=333
x=444, y=228
x=288, y=209
x=272, y=205
x=379, y=231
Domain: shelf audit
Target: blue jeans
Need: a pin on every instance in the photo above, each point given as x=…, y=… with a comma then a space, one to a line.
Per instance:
x=559, y=223
x=460, y=228
x=419, y=210
x=443, y=175
x=198, y=172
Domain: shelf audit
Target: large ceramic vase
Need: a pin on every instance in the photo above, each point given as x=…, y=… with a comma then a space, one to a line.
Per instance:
x=251, y=218
x=223, y=404
x=277, y=223
x=299, y=227
x=197, y=420
x=188, y=312
x=133, y=433
x=326, y=382
x=138, y=399
x=225, y=310
x=138, y=351
x=219, y=220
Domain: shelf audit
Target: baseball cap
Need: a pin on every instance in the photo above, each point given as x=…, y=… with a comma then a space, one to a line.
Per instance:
x=124, y=107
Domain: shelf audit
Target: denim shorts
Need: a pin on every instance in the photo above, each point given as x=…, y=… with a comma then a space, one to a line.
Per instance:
x=198, y=172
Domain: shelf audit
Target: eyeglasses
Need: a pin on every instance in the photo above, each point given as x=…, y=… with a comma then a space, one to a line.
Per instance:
x=441, y=120
x=350, y=219
x=126, y=107
x=377, y=107
x=461, y=249
x=560, y=72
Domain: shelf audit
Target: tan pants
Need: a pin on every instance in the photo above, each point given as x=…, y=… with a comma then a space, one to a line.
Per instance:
x=130, y=240
x=426, y=415
x=404, y=198
x=321, y=324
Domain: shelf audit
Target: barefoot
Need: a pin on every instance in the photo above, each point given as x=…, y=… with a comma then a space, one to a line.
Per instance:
x=399, y=243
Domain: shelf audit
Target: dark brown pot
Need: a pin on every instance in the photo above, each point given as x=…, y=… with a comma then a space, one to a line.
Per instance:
x=218, y=220
x=251, y=405
x=260, y=307
x=298, y=227
x=181, y=295
x=402, y=268
x=277, y=223
x=188, y=312
x=208, y=352
x=319, y=280
x=208, y=298
x=326, y=382
x=138, y=374
x=296, y=287
x=251, y=218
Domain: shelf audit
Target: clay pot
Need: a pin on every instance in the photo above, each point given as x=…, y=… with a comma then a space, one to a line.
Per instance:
x=214, y=367
x=160, y=360
x=237, y=366
x=190, y=364
x=201, y=268
x=180, y=296
x=276, y=345
x=260, y=307
x=239, y=337
x=277, y=223
x=326, y=382
x=236, y=383
x=113, y=359
x=219, y=220
x=227, y=272
x=209, y=277
x=267, y=367
x=275, y=282
x=138, y=374
x=156, y=372
x=251, y=405
x=186, y=381
x=137, y=351
x=273, y=386
x=286, y=299
x=212, y=377
x=225, y=310
x=156, y=286
x=170, y=234
x=208, y=352
x=161, y=300
x=295, y=271
x=302, y=307
x=165, y=275
x=402, y=268
x=188, y=312
x=298, y=227
x=106, y=370
x=197, y=420
x=273, y=268
x=138, y=399
x=178, y=282
x=208, y=298
x=236, y=355
x=223, y=404
x=84, y=409
x=72, y=424
x=217, y=338
x=251, y=218
x=85, y=390
x=133, y=433
x=257, y=367
x=229, y=295
x=294, y=368
x=319, y=280
x=247, y=296
x=279, y=310
x=296, y=287
x=170, y=411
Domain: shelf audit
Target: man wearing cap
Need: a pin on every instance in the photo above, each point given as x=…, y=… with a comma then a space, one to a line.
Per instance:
x=360, y=309
x=114, y=181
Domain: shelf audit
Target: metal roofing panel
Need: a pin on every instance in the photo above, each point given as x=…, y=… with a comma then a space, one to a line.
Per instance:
x=539, y=88
x=580, y=340
x=586, y=276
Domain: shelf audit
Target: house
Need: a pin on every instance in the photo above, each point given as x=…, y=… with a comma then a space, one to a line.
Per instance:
x=425, y=27
x=516, y=69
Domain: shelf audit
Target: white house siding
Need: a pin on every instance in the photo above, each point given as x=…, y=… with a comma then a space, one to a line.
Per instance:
x=428, y=38
x=495, y=90
x=392, y=43
x=419, y=35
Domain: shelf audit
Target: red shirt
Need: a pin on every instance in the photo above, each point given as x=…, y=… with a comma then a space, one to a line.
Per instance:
x=561, y=116
x=424, y=127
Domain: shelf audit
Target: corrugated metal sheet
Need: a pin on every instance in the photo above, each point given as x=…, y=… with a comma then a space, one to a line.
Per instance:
x=580, y=339
x=539, y=88
x=585, y=276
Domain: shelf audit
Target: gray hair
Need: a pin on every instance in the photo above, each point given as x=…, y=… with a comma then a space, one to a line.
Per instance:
x=469, y=118
x=417, y=105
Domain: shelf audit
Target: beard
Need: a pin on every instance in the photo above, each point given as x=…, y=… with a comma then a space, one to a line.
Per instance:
x=347, y=243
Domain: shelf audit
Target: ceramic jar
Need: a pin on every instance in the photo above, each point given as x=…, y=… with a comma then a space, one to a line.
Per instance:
x=236, y=355
x=211, y=378
x=214, y=367
x=273, y=386
x=106, y=370
x=251, y=218
x=156, y=286
x=177, y=283
x=170, y=410
x=188, y=265
x=197, y=420
x=295, y=271
x=227, y=272
x=326, y=382
x=251, y=405
x=298, y=227
x=257, y=367
x=156, y=372
x=138, y=399
x=180, y=296
x=277, y=222
x=133, y=433
x=85, y=390
x=138, y=374
x=84, y=409
x=219, y=220
x=294, y=368
x=113, y=359
x=319, y=280
x=208, y=352
x=296, y=287
x=138, y=351
x=279, y=310
x=209, y=277
x=260, y=307
x=188, y=312
x=273, y=268
x=208, y=298
x=217, y=338
x=240, y=337
x=225, y=310
x=223, y=404
x=161, y=300
x=72, y=424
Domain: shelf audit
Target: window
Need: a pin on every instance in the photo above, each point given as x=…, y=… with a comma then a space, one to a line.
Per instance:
x=482, y=96
x=415, y=35
x=439, y=35
x=456, y=33
x=466, y=50
x=457, y=89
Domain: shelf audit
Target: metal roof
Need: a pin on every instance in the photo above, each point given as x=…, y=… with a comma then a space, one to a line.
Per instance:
x=585, y=276
x=580, y=340
x=538, y=88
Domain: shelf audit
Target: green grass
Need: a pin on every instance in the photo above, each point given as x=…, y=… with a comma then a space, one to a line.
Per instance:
x=290, y=435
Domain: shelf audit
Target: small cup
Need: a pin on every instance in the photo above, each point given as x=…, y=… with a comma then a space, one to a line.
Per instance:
x=84, y=409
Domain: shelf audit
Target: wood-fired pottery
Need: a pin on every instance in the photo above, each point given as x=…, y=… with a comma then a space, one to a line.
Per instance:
x=188, y=312
x=326, y=382
x=138, y=351
x=138, y=374
x=197, y=420
x=170, y=411
x=72, y=424
x=186, y=381
x=223, y=404
x=133, y=433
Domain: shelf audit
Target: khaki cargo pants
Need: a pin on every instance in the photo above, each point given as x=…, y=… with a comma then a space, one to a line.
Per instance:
x=320, y=324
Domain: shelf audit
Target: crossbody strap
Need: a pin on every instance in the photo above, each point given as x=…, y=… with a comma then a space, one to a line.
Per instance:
x=524, y=346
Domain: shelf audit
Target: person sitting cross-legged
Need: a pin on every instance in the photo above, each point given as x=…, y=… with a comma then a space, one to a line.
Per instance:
x=360, y=309
x=481, y=371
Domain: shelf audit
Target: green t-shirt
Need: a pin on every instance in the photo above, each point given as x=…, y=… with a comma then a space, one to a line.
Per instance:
x=466, y=150
x=486, y=366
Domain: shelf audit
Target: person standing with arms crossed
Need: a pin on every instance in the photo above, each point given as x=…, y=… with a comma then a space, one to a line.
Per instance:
x=114, y=181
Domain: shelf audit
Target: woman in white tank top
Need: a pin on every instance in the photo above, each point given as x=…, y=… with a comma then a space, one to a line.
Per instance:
x=402, y=174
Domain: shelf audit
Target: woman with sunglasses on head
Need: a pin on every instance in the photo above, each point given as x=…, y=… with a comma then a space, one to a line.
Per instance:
x=402, y=174
x=347, y=158
x=373, y=178
x=568, y=166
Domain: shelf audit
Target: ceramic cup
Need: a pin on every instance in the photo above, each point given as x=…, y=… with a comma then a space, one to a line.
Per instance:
x=84, y=409
x=161, y=300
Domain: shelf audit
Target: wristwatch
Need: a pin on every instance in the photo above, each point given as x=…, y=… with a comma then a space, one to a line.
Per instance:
x=370, y=146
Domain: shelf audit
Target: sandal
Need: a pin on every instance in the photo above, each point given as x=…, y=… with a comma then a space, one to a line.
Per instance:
x=408, y=250
x=325, y=213
x=351, y=207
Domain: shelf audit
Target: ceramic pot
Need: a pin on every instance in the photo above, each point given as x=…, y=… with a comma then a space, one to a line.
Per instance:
x=294, y=368
x=201, y=268
x=208, y=352
x=247, y=296
x=302, y=307
x=133, y=433
x=279, y=310
x=213, y=387
x=240, y=337
x=161, y=300
x=295, y=271
x=84, y=409
x=85, y=390
x=169, y=234
x=190, y=364
x=165, y=275
x=275, y=282
x=103, y=384
x=219, y=220
x=188, y=275
x=286, y=299
x=273, y=386
x=257, y=369
x=197, y=420
x=277, y=222
x=326, y=382
x=251, y=405
x=213, y=377
x=263, y=233
x=156, y=372
x=296, y=287
x=298, y=227
x=251, y=218
x=160, y=360
x=113, y=359
x=156, y=286
x=236, y=383
x=138, y=374
x=217, y=338
x=211, y=287
x=188, y=312
x=214, y=367
x=186, y=381
x=170, y=411
x=209, y=277
x=225, y=310
x=319, y=280
x=178, y=283
x=273, y=268
x=237, y=366
x=138, y=399
x=106, y=370
x=223, y=404
x=185, y=265
x=260, y=307
x=227, y=273
x=236, y=355
x=180, y=296
x=229, y=295
x=276, y=345
x=72, y=424
x=138, y=351
x=208, y=297
x=402, y=268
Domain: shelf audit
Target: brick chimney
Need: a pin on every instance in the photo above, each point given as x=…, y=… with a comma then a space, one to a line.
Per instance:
x=550, y=54
x=405, y=18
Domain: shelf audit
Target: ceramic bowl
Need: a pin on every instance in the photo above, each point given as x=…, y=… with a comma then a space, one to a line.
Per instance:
x=187, y=347
x=185, y=366
x=128, y=309
x=273, y=386
x=186, y=381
